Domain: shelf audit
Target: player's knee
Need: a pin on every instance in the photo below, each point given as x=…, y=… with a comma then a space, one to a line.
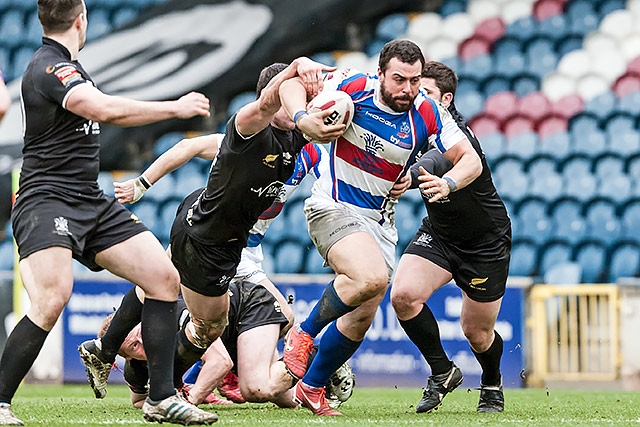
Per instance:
x=401, y=301
x=372, y=283
x=480, y=339
x=256, y=393
x=204, y=332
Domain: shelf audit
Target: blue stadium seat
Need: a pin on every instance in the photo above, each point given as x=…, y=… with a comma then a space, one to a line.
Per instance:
x=618, y=187
x=523, y=145
x=123, y=16
x=165, y=142
x=583, y=187
x=510, y=63
x=568, y=44
x=105, y=181
x=555, y=26
x=534, y=222
x=554, y=252
x=407, y=222
x=523, y=28
x=569, y=224
x=548, y=186
x=541, y=165
x=590, y=142
x=99, y=23
x=469, y=102
x=630, y=217
x=164, y=188
x=392, y=27
x=525, y=83
x=608, y=6
x=626, y=142
x=6, y=255
x=617, y=122
x=599, y=107
x=240, y=101
x=21, y=58
x=602, y=221
x=581, y=16
x=166, y=214
x=624, y=261
x=556, y=144
x=507, y=46
x=630, y=104
x=574, y=166
x=295, y=219
x=562, y=273
x=495, y=83
x=524, y=257
x=493, y=146
x=608, y=164
x=33, y=29
x=592, y=257
x=510, y=178
x=452, y=6
x=11, y=28
x=147, y=212
x=288, y=256
x=479, y=67
x=314, y=264
x=632, y=167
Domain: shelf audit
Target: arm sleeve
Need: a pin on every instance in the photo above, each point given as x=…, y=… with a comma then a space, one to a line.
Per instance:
x=433, y=162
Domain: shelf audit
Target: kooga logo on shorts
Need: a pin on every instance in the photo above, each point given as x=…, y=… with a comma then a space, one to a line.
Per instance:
x=343, y=227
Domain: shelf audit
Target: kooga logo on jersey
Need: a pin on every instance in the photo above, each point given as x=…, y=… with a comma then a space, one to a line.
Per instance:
x=380, y=119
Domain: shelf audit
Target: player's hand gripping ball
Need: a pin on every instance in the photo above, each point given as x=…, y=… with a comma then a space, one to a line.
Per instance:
x=340, y=104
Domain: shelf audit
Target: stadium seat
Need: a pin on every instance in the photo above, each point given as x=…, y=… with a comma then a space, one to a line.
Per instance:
x=547, y=186
x=288, y=256
x=458, y=26
x=575, y=64
x=630, y=48
x=501, y=105
x=541, y=165
x=424, y=24
x=591, y=85
x=602, y=220
x=575, y=166
x=582, y=16
x=523, y=145
x=147, y=211
x=481, y=10
x=590, y=142
x=524, y=26
x=524, y=258
x=510, y=63
x=21, y=58
x=544, y=9
x=123, y=16
x=624, y=261
x=165, y=142
x=568, y=105
x=556, y=144
x=535, y=105
x=240, y=101
x=630, y=216
x=602, y=105
x=507, y=45
x=534, y=222
x=473, y=46
x=554, y=252
x=11, y=28
x=495, y=84
x=591, y=255
x=566, y=214
x=392, y=27
x=479, y=67
x=407, y=221
x=630, y=103
x=491, y=28
x=454, y=6
x=494, y=145
x=100, y=23
x=618, y=24
x=583, y=187
x=525, y=83
x=608, y=6
x=163, y=189
x=551, y=124
x=314, y=264
x=557, y=85
x=618, y=187
x=6, y=255
x=484, y=124
x=567, y=44
x=517, y=124
x=632, y=166
x=608, y=164
x=166, y=214
x=508, y=166
x=33, y=29
x=562, y=273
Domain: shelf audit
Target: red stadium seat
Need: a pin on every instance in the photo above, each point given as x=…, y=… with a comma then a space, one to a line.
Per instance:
x=627, y=83
x=551, y=124
x=568, y=105
x=473, y=46
x=634, y=65
x=484, y=124
x=491, y=29
x=535, y=105
x=517, y=124
x=502, y=105
x=544, y=9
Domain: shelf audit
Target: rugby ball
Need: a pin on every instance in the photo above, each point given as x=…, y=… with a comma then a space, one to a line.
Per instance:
x=340, y=104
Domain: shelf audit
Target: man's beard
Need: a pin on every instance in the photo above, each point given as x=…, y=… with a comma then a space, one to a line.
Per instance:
x=391, y=102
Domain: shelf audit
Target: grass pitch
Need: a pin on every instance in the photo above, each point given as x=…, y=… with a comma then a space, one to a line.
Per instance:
x=74, y=405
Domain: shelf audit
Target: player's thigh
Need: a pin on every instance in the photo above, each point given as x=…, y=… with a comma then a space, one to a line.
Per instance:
x=479, y=316
x=256, y=354
x=142, y=260
x=209, y=308
x=417, y=278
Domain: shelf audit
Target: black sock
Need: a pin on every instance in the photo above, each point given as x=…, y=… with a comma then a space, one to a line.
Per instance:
x=159, y=320
x=490, y=362
x=186, y=355
x=20, y=351
x=423, y=331
x=124, y=320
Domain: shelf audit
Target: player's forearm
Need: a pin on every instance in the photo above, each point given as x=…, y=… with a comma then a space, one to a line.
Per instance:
x=203, y=146
x=293, y=96
x=465, y=170
x=129, y=112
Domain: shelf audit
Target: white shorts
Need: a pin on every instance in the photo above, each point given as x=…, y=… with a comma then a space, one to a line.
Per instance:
x=330, y=221
x=250, y=267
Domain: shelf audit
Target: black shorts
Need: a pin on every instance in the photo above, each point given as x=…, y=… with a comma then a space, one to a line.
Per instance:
x=251, y=306
x=483, y=279
x=204, y=268
x=85, y=223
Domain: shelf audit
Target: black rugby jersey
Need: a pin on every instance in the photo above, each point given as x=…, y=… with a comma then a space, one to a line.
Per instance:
x=244, y=180
x=473, y=218
x=60, y=147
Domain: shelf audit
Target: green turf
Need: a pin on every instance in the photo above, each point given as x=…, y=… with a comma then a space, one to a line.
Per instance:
x=74, y=405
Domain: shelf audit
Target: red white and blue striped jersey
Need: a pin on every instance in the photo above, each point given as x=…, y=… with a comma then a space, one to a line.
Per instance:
x=314, y=160
x=380, y=144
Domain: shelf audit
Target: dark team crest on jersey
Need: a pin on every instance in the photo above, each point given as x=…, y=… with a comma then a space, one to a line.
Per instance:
x=372, y=143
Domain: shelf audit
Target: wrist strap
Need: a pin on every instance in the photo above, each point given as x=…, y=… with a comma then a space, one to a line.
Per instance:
x=451, y=182
x=144, y=182
x=298, y=115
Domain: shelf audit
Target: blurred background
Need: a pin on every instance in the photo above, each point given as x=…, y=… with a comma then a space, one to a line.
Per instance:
x=550, y=87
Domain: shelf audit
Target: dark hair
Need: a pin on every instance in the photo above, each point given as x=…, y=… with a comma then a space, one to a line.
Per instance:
x=405, y=50
x=267, y=74
x=445, y=78
x=57, y=16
